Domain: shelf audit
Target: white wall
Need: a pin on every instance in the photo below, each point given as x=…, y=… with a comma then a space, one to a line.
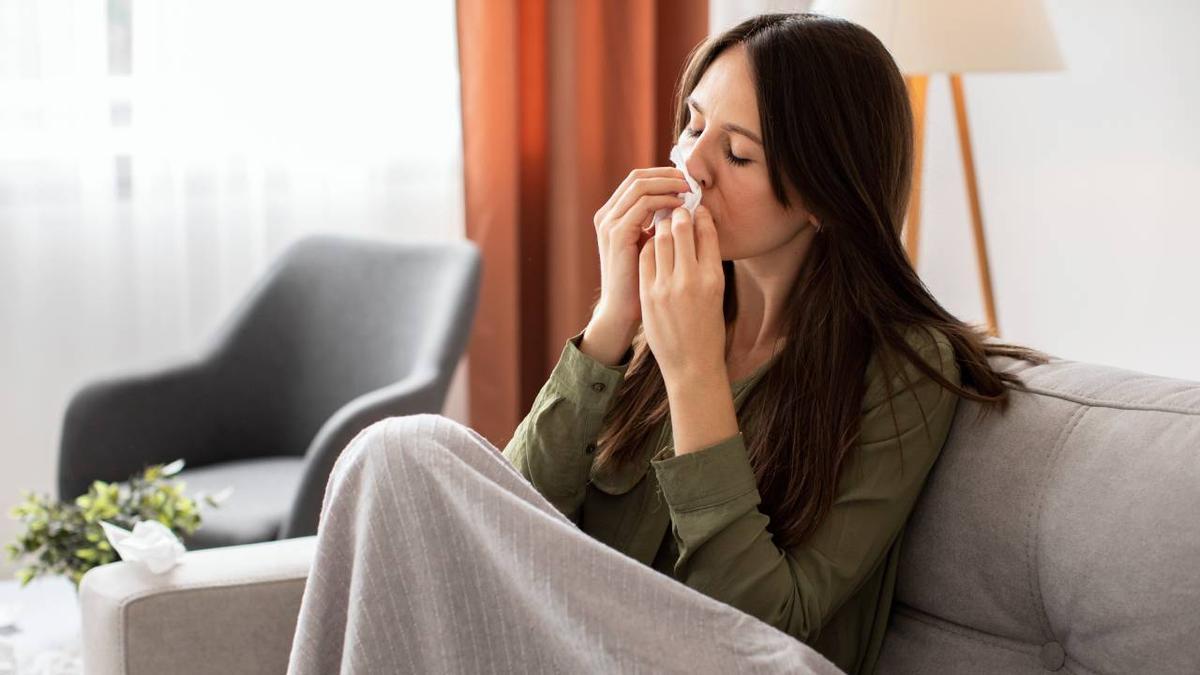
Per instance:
x=1087, y=178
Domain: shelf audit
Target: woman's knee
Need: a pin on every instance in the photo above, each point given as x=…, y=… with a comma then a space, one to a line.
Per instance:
x=415, y=435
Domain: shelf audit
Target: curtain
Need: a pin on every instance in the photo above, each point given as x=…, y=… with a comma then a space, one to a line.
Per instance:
x=561, y=99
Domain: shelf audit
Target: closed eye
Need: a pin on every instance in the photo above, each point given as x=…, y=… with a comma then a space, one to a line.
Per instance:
x=729, y=156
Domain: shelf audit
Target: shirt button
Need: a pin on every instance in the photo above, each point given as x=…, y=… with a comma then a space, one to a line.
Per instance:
x=1053, y=656
x=591, y=447
x=598, y=386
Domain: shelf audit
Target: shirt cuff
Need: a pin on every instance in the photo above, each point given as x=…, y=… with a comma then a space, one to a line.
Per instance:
x=584, y=380
x=707, y=477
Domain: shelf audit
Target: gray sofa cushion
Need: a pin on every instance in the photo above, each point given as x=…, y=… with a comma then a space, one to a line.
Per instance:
x=263, y=491
x=1065, y=533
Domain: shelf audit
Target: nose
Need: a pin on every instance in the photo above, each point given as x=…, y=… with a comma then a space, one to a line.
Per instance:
x=697, y=167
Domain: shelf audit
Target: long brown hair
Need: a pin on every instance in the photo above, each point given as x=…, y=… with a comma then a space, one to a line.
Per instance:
x=836, y=124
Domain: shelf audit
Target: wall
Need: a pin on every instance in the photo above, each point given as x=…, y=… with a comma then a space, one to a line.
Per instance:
x=1087, y=178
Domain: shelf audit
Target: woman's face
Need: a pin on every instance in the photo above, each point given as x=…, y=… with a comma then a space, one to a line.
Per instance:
x=727, y=160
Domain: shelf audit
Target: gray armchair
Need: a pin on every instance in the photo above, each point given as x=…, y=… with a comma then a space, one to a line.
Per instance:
x=340, y=333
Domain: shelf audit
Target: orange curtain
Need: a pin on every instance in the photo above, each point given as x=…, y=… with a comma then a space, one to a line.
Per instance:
x=561, y=99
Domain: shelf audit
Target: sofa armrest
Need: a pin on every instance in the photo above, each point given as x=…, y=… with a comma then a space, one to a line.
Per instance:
x=223, y=610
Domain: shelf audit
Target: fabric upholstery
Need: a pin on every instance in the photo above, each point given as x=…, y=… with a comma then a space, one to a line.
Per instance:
x=225, y=610
x=1062, y=534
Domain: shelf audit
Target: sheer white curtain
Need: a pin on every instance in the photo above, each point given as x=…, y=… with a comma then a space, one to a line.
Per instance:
x=155, y=155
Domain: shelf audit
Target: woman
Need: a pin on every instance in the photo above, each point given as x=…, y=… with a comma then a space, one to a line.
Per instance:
x=717, y=474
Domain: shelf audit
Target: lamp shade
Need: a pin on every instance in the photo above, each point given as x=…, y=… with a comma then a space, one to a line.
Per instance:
x=956, y=36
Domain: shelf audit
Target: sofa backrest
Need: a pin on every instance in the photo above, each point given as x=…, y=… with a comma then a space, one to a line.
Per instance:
x=1062, y=533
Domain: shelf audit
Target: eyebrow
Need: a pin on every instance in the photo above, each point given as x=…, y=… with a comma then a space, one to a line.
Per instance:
x=728, y=126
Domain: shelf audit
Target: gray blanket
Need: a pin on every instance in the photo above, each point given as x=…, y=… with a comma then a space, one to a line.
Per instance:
x=436, y=556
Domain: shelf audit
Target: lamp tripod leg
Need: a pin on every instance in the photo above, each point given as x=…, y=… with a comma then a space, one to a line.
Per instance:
x=981, y=256
x=916, y=93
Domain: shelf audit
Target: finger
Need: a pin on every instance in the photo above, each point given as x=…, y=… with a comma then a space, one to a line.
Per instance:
x=664, y=249
x=646, y=273
x=708, y=245
x=644, y=235
x=685, y=241
x=643, y=211
x=653, y=172
x=643, y=187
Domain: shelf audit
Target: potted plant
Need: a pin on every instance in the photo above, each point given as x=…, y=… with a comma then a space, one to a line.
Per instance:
x=68, y=538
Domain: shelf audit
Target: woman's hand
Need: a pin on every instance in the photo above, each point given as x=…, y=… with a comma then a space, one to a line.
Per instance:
x=682, y=288
x=620, y=235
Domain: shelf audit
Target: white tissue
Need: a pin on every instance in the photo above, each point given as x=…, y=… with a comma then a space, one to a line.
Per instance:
x=151, y=543
x=690, y=199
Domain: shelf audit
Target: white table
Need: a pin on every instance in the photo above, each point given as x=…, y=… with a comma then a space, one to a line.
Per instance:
x=46, y=637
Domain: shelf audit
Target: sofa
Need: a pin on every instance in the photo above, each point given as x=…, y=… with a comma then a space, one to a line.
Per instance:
x=1063, y=534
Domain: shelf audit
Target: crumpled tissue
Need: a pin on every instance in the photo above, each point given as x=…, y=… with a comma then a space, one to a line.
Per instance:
x=690, y=199
x=150, y=543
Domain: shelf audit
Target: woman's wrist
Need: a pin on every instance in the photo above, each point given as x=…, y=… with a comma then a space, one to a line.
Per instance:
x=606, y=341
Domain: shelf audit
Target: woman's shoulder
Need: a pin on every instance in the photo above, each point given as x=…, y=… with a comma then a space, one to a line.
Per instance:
x=931, y=345
x=928, y=341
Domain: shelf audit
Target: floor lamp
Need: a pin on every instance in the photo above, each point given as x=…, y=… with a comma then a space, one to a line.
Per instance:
x=927, y=37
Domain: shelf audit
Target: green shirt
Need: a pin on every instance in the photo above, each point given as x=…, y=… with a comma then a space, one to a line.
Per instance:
x=695, y=516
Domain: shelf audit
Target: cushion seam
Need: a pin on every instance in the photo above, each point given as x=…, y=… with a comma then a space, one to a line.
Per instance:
x=1034, y=520
x=1105, y=403
x=204, y=586
x=969, y=633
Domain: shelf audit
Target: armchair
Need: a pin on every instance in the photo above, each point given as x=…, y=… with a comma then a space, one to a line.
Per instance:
x=341, y=332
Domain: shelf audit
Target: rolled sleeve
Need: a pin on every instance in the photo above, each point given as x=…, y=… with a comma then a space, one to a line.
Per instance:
x=708, y=476
x=554, y=446
x=584, y=380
